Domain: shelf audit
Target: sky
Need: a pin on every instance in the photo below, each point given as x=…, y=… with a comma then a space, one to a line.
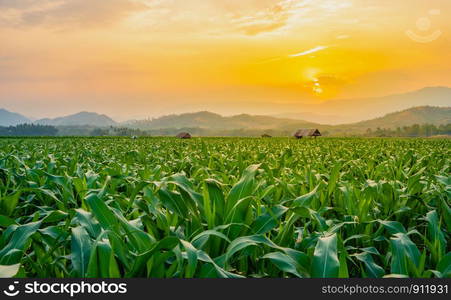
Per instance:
x=145, y=58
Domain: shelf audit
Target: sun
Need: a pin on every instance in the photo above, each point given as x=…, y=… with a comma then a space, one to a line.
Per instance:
x=310, y=76
x=317, y=89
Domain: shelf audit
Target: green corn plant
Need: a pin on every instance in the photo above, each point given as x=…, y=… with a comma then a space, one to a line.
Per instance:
x=224, y=207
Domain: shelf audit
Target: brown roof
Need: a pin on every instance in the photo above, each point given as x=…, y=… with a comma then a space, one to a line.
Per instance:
x=307, y=132
x=184, y=135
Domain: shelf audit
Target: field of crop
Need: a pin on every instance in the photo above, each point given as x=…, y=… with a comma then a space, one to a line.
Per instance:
x=224, y=207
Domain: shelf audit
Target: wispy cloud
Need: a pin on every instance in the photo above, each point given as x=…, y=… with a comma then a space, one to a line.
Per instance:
x=270, y=18
x=280, y=16
x=303, y=53
x=310, y=51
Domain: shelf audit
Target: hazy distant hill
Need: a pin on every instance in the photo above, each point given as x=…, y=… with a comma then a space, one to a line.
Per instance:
x=8, y=118
x=313, y=117
x=206, y=123
x=356, y=110
x=81, y=118
x=416, y=115
x=210, y=120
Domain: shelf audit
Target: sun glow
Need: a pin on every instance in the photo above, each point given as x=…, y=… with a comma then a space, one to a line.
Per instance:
x=317, y=87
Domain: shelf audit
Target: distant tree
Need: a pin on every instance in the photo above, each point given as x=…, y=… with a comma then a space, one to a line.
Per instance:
x=415, y=130
x=99, y=132
x=28, y=130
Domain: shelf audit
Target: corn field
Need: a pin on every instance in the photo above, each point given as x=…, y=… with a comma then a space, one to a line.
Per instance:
x=224, y=207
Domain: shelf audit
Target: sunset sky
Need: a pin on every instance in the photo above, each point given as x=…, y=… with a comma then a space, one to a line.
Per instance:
x=139, y=58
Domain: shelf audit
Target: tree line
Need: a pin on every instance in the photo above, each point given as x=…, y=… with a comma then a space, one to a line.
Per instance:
x=28, y=130
x=415, y=130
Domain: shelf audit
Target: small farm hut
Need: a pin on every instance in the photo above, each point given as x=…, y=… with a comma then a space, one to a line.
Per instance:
x=266, y=135
x=184, y=135
x=306, y=132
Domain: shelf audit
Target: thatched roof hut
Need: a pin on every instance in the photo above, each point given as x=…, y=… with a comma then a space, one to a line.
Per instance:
x=306, y=132
x=184, y=135
x=266, y=135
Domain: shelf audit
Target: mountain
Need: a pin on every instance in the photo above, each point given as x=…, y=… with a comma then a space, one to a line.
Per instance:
x=79, y=119
x=8, y=118
x=207, y=123
x=416, y=115
x=312, y=117
x=358, y=109
x=208, y=120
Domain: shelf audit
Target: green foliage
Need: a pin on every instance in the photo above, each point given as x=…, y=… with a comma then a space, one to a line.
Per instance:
x=28, y=130
x=224, y=207
x=325, y=262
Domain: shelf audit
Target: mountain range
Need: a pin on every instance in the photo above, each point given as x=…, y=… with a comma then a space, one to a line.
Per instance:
x=334, y=112
x=208, y=121
x=416, y=115
x=83, y=118
x=8, y=118
x=79, y=119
